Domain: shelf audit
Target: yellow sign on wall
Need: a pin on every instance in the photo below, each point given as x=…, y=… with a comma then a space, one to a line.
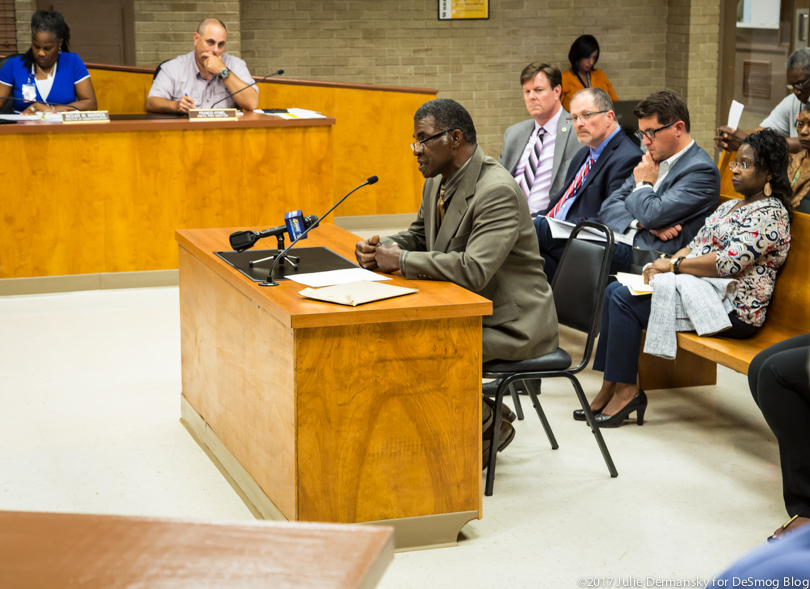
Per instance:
x=463, y=9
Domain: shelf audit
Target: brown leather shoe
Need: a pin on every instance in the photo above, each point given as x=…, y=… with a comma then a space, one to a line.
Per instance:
x=506, y=412
x=505, y=437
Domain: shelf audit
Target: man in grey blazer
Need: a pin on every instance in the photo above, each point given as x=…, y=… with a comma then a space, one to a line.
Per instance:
x=537, y=152
x=473, y=228
x=671, y=191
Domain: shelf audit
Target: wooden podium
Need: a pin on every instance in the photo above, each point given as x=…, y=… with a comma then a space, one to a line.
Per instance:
x=320, y=412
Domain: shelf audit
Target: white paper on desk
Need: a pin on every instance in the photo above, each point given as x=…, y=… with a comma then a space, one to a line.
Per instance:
x=734, y=114
x=20, y=117
x=356, y=293
x=562, y=230
x=634, y=283
x=332, y=277
x=300, y=113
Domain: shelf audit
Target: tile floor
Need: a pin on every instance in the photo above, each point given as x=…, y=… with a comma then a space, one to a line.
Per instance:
x=90, y=386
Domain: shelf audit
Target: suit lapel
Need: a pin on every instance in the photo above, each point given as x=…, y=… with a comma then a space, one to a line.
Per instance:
x=682, y=162
x=430, y=213
x=458, y=204
x=603, y=158
x=563, y=132
x=520, y=144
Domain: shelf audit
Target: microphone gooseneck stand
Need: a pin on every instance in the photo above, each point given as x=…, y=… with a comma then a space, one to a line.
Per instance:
x=279, y=257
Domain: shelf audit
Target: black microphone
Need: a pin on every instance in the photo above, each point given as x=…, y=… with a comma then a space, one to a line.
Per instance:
x=278, y=73
x=270, y=281
x=45, y=102
x=244, y=240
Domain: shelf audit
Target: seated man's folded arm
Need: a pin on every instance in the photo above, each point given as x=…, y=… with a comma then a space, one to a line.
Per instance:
x=614, y=212
x=697, y=191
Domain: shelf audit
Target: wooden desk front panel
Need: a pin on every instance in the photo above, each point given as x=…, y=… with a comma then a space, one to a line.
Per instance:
x=237, y=374
x=110, y=202
x=388, y=420
x=371, y=136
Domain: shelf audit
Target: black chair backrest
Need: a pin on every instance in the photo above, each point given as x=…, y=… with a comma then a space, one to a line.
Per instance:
x=157, y=69
x=8, y=105
x=580, y=281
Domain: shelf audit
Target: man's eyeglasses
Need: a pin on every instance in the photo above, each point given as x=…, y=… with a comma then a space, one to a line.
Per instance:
x=586, y=116
x=420, y=144
x=650, y=133
x=743, y=165
x=800, y=86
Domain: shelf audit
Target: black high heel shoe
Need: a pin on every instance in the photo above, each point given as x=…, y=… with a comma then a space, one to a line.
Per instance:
x=637, y=403
x=579, y=414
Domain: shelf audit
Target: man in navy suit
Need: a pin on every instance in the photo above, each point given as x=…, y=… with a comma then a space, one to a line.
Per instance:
x=670, y=193
x=597, y=170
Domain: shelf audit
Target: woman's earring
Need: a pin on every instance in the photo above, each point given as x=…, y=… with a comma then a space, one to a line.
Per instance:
x=767, y=190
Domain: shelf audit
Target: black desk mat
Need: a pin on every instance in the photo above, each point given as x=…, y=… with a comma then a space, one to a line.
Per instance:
x=313, y=259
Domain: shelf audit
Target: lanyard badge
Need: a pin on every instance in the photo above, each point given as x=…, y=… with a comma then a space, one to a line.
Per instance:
x=29, y=90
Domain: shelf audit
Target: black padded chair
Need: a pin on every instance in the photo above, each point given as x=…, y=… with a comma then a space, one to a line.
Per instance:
x=579, y=288
x=158, y=68
x=7, y=107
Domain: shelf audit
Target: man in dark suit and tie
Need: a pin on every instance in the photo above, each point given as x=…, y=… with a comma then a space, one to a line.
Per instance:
x=537, y=152
x=598, y=169
x=670, y=193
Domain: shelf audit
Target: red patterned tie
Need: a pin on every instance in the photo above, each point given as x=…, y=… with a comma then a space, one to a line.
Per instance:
x=572, y=189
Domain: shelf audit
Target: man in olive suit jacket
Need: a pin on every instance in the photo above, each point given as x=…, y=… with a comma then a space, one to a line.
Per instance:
x=474, y=229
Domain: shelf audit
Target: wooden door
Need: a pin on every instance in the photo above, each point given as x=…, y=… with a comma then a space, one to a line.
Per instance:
x=101, y=31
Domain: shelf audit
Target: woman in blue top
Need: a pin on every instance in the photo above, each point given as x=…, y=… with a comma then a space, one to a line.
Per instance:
x=47, y=75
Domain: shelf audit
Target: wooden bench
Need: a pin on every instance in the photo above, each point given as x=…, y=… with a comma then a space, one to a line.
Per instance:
x=788, y=315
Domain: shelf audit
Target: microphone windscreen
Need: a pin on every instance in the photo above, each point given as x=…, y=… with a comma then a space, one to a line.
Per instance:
x=280, y=72
x=242, y=240
x=372, y=180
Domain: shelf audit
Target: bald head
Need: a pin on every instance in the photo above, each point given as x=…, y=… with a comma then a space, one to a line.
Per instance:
x=209, y=21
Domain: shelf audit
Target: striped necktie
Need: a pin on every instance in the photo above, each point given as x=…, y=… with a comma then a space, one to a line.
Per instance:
x=573, y=188
x=533, y=165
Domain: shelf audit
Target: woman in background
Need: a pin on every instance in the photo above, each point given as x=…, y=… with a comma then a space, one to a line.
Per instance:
x=799, y=168
x=47, y=73
x=747, y=240
x=583, y=55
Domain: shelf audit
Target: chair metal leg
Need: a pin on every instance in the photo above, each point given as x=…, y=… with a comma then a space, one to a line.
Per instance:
x=516, y=401
x=493, y=448
x=542, y=415
x=594, y=428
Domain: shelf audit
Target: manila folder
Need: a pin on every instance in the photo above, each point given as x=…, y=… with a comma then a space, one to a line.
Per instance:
x=356, y=293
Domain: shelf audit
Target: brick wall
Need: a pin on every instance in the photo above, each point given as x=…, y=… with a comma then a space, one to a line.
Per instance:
x=704, y=52
x=164, y=30
x=646, y=45
x=24, y=10
x=477, y=63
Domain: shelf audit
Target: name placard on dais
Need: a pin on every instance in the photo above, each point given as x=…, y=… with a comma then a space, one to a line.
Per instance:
x=88, y=116
x=212, y=114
